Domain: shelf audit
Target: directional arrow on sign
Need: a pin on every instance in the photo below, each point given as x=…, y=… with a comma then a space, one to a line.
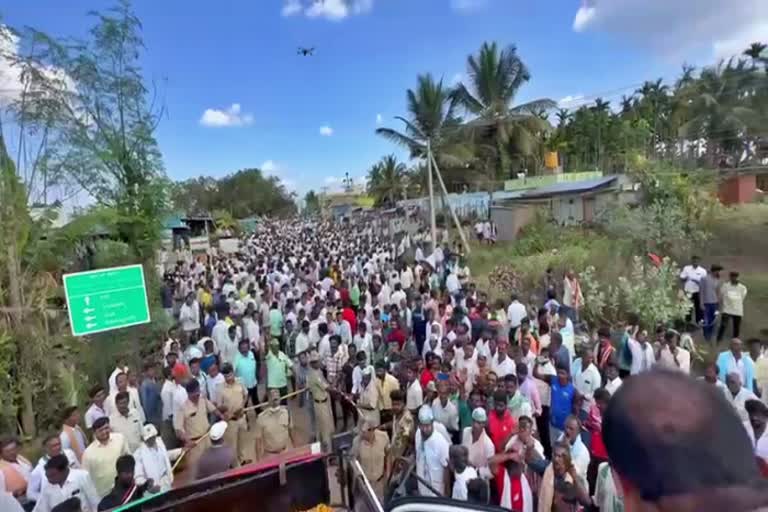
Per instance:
x=89, y=318
x=87, y=301
x=89, y=310
x=90, y=326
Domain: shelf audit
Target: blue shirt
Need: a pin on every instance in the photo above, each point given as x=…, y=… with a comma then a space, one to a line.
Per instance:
x=149, y=394
x=562, y=358
x=562, y=403
x=245, y=369
x=209, y=325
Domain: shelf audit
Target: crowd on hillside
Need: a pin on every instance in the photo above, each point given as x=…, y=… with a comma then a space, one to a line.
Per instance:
x=500, y=402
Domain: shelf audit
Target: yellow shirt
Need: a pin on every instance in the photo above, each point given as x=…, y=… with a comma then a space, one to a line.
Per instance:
x=386, y=387
x=99, y=460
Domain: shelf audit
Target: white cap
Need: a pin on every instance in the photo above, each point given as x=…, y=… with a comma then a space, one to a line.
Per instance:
x=148, y=431
x=425, y=415
x=217, y=430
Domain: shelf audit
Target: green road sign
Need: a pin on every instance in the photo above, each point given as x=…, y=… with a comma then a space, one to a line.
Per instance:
x=106, y=299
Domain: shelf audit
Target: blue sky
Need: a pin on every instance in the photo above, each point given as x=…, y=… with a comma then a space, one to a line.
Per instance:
x=211, y=56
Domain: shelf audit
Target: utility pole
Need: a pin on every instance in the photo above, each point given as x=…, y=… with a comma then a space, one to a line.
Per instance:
x=448, y=204
x=432, y=222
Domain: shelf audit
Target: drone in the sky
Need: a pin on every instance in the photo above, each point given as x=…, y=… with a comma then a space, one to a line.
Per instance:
x=306, y=52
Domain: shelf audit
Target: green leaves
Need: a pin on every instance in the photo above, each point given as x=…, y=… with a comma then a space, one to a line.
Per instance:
x=653, y=293
x=243, y=194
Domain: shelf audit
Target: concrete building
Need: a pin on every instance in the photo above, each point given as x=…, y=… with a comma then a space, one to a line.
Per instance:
x=566, y=203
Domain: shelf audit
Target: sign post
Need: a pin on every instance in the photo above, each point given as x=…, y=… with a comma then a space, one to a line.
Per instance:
x=106, y=299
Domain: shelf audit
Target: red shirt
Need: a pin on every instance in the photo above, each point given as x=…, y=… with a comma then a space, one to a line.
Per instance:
x=500, y=429
x=344, y=294
x=349, y=315
x=398, y=336
x=426, y=377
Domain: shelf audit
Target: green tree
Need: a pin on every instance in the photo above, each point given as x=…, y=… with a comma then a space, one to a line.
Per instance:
x=107, y=117
x=311, y=203
x=387, y=181
x=721, y=112
x=431, y=119
x=495, y=78
x=244, y=193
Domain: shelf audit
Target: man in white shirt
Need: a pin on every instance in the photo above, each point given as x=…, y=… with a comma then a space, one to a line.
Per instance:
x=673, y=356
x=153, y=461
x=364, y=342
x=501, y=364
x=63, y=484
x=126, y=421
x=444, y=410
x=431, y=455
x=110, y=407
x=462, y=471
x=52, y=446
x=220, y=332
x=515, y=314
x=738, y=395
x=189, y=316
x=302, y=339
x=691, y=276
x=612, y=379
x=586, y=377
x=643, y=357
x=398, y=296
x=414, y=397
x=757, y=412
x=96, y=410
x=452, y=283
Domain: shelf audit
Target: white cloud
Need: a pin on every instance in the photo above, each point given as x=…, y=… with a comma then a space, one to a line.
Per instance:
x=573, y=101
x=269, y=167
x=334, y=10
x=331, y=180
x=326, y=131
x=458, y=78
x=291, y=7
x=233, y=116
x=677, y=28
x=289, y=184
x=11, y=86
x=379, y=119
x=468, y=5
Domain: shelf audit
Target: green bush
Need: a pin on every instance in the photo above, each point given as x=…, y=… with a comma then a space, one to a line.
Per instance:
x=652, y=292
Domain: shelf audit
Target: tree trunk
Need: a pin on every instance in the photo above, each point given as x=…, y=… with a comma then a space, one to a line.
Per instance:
x=17, y=328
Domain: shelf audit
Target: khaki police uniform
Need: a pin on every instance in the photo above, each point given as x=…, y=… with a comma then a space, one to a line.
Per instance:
x=372, y=458
x=273, y=427
x=234, y=397
x=318, y=387
x=192, y=421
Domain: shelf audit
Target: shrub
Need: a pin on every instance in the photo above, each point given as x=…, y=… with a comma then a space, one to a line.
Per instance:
x=649, y=291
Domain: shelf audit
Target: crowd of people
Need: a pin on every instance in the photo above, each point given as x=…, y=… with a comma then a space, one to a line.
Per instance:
x=495, y=402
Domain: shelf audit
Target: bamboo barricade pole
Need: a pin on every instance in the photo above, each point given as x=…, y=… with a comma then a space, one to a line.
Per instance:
x=204, y=437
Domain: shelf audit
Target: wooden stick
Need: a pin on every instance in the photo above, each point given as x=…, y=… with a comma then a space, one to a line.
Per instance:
x=286, y=397
x=202, y=438
x=178, y=461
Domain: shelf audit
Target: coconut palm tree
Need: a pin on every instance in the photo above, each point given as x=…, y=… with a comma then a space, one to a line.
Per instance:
x=387, y=180
x=756, y=52
x=431, y=118
x=563, y=115
x=721, y=110
x=495, y=77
